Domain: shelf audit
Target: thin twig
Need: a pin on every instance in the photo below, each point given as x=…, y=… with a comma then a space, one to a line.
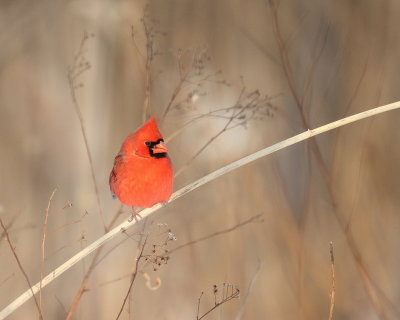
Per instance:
x=255, y=218
x=149, y=60
x=333, y=281
x=375, y=294
x=79, y=66
x=46, y=217
x=92, y=266
x=226, y=296
x=5, y=232
x=198, y=305
x=138, y=254
x=6, y=278
x=133, y=35
x=133, y=278
x=236, y=115
x=189, y=188
x=82, y=288
x=183, y=76
x=218, y=113
x=61, y=304
x=246, y=298
x=310, y=76
x=9, y=225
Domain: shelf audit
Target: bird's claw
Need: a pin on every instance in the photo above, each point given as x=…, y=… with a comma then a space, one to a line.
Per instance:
x=135, y=215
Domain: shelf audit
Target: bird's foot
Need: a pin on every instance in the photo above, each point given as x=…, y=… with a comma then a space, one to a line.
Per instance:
x=135, y=215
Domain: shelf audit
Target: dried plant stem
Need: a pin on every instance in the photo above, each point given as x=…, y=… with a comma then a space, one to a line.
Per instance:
x=198, y=305
x=147, y=91
x=30, y=290
x=93, y=265
x=7, y=278
x=333, y=281
x=190, y=187
x=149, y=60
x=255, y=218
x=46, y=217
x=132, y=278
x=218, y=134
x=79, y=66
x=82, y=288
x=8, y=226
x=227, y=295
x=251, y=285
x=183, y=78
x=375, y=294
x=85, y=139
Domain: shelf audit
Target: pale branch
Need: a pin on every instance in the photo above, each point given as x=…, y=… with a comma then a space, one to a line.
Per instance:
x=254, y=219
x=375, y=294
x=190, y=187
x=93, y=264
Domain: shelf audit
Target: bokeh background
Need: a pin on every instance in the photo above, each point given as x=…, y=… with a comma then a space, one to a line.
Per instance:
x=264, y=71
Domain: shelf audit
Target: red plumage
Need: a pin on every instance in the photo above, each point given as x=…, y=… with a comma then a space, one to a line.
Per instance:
x=142, y=174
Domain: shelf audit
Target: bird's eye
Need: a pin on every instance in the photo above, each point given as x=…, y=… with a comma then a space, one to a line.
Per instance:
x=148, y=143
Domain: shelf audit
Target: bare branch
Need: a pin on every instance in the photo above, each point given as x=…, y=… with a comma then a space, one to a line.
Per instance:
x=183, y=77
x=188, y=188
x=79, y=66
x=229, y=292
x=253, y=219
x=247, y=107
x=149, y=59
x=198, y=305
x=43, y=246
x=9, y=225
x=256, y=218
x=333, y=281
x=133, y=277
x=5, y=232
x=251, y=284
x=6, y=278
x=92, y=266
x=375, y=294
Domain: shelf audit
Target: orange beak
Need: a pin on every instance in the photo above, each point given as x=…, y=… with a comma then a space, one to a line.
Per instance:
x=160, y=148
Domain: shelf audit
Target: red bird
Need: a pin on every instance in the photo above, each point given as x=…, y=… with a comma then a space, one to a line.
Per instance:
x=142, y=174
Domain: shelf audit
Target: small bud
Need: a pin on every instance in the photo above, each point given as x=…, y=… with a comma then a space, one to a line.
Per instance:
x=171, y=236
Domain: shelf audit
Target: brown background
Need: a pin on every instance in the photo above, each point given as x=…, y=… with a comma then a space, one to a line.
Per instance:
x=318, y=61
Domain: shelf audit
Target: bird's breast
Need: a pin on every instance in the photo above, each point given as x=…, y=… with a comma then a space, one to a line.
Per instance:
x=143, y=182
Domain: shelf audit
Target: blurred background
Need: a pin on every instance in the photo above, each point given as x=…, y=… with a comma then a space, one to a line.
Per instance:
x=224, y=79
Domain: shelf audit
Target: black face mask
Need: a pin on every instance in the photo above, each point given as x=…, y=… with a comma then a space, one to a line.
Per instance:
x=151, y=145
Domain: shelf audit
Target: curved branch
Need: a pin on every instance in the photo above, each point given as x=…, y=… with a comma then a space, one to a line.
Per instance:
x=190, y=187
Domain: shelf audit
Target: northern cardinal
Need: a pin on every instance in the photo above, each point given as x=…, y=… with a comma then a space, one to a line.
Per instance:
x=142, y=174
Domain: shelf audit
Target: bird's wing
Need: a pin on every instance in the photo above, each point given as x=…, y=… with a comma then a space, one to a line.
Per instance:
x=113, y=176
